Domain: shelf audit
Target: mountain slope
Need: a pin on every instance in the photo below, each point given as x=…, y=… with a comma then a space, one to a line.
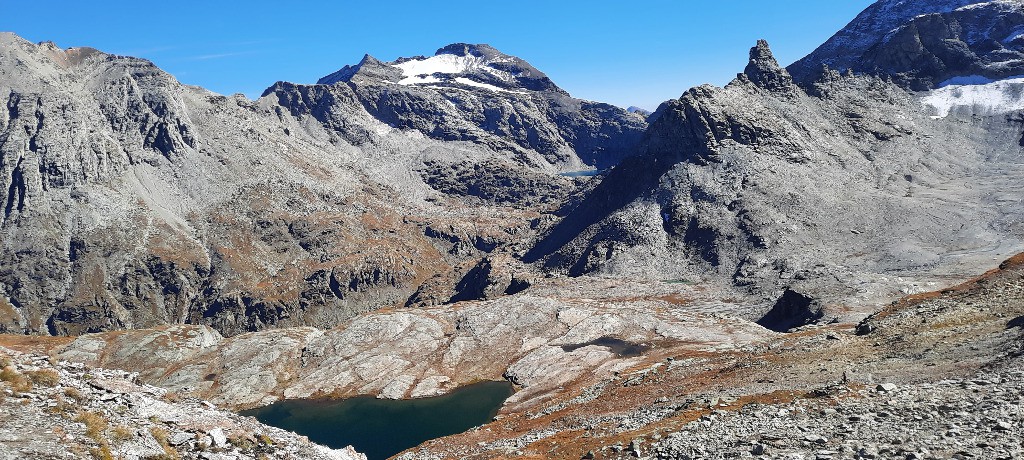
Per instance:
x=848, y=193
x=923, y=43
x=130, y=200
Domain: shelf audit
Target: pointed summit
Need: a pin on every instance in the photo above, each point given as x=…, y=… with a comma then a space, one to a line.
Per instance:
x=369, y=66
x=765, y=71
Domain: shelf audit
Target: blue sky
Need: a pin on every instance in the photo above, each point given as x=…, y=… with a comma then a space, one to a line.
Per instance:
x=623, y=52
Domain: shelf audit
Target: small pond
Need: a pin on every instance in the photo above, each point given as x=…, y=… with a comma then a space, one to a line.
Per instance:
x=618, y=346
x=381, y=428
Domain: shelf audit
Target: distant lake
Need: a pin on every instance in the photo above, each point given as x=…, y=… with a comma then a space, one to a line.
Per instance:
x=587, y=173
x=381, y=428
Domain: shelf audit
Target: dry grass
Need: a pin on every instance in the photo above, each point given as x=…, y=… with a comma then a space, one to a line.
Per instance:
x=32, y=344
x=161, y=436
x=95, y=424
x=242, y=442
x=102, y=452
x=264, y=439
x=18, y=382
x=74, y=394
x=44, y=377
x=122, y=433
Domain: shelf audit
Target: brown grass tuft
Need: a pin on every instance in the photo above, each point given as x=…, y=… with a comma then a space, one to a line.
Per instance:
x=161, y=435
x=73, y=393
x=44, y=377
x=95, y=424
x=123, y=433
x=18, y=382
x=102, y=452
x=242, y=441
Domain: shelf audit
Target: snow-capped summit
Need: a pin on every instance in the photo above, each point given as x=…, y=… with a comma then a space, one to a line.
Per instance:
x=475, y=93
x=459, y=65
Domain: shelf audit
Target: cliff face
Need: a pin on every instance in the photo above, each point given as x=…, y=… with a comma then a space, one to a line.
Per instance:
x=130, y=200
x=843, y=50
x=830, y=190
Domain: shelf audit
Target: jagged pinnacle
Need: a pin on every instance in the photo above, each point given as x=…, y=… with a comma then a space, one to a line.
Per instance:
x=765, y=71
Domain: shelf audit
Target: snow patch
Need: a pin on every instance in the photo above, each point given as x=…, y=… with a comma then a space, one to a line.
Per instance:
x=981, y=95
x=419, y=79
x=966, y=80
x=466, y=81
x=420, y=71
x=444, y=63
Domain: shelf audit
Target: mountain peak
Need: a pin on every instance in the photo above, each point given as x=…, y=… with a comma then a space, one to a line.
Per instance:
x=467, y=49
x=844, y=49
x=463, y=65
x=368, y=66
x=764, y=70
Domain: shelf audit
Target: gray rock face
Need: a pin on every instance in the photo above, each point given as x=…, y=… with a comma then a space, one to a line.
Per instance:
x=843, y=49
x=924, y=43
x=496, y=182
x=130, y=200
x=983, y=39
x=476, y=93
x=765, y=186
x=765, y=71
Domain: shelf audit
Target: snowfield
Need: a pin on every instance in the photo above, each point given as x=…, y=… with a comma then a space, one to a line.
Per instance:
x=448, y=64
x=976, y=95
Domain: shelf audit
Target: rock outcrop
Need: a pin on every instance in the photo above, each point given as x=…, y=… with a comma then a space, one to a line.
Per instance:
x=421, y=352
x=55, y=409
x=764, y=71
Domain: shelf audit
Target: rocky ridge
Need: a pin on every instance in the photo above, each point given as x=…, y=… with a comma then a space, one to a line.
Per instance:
x=476, y=93
x=843, y=192
x=55, y=409
x=879, y=20
x=130, y=200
